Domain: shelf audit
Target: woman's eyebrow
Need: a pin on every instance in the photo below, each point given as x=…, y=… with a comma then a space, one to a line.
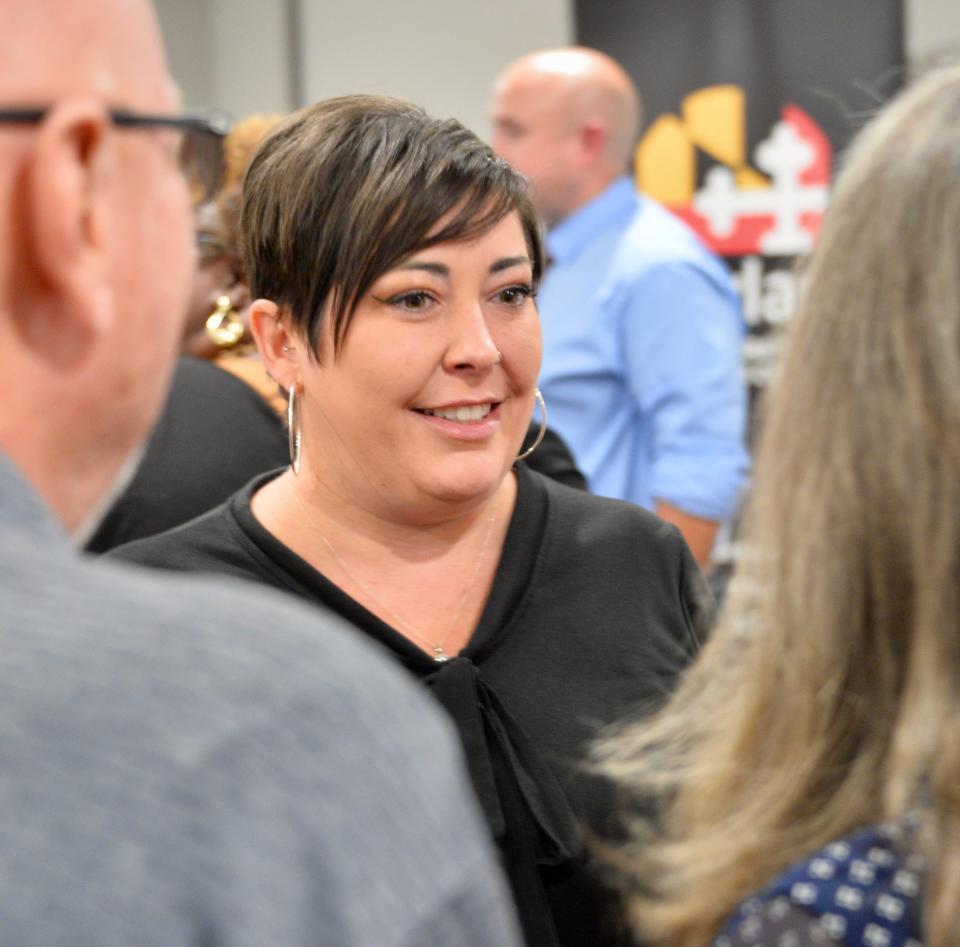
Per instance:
x=441, y=269
x=509, y=261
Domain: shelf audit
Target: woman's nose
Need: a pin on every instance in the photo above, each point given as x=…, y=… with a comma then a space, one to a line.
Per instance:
x=471, y=347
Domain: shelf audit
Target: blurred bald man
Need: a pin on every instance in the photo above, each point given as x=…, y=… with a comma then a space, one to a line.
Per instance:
x=642, y=326
x=181, y=761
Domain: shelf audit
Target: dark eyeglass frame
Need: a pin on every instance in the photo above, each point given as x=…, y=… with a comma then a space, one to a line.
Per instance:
x=201, y=150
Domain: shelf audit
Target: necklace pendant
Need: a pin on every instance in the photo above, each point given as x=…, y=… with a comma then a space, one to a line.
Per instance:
x=439, y=655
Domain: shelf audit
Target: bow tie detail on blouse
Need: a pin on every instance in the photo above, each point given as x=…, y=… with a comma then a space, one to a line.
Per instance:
x=525, y=807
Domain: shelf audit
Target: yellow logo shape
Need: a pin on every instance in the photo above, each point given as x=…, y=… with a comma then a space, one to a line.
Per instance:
x=714, y=120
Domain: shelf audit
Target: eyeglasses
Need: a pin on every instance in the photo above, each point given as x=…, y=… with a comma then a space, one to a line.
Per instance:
x=211, y=248
x=201, y=142
x=212, y=244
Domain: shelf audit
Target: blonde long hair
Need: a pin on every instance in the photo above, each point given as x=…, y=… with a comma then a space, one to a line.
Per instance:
x=829, y=695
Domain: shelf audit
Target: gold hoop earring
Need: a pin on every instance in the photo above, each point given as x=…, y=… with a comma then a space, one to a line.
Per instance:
x=224, y=327
x=294, y=433
x=541, y=432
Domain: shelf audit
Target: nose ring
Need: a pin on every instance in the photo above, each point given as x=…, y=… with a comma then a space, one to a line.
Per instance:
x=499, y=356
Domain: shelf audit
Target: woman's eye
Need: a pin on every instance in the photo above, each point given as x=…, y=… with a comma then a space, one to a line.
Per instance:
x=417, y=301
x=515, y=295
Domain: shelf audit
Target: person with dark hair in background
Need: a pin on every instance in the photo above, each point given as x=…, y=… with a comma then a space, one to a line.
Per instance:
x=805, y=774
x=216, y=326
x=642, y=326
x=394, y=261
x=184, y=760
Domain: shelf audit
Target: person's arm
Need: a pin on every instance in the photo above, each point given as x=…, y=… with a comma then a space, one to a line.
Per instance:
x=682, y=341
x=699, y=533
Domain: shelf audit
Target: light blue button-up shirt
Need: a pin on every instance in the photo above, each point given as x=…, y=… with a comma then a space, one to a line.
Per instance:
x=642, y=372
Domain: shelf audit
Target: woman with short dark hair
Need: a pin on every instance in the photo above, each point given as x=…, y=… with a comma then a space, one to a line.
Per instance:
x=394, y=260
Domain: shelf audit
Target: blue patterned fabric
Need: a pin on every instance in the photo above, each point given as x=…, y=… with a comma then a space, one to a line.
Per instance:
x=861, y=891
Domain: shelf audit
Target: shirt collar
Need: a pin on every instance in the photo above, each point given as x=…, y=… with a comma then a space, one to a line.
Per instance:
x=573, y=233
x=21, y=508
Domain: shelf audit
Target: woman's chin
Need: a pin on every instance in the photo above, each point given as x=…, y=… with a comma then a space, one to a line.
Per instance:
x=467, y=480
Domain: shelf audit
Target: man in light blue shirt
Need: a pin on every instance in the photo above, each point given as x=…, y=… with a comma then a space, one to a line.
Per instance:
x=641, y=324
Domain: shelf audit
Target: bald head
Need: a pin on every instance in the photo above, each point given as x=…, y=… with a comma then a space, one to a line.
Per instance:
x=107, y=48
x=96, y=242
x=567, y=118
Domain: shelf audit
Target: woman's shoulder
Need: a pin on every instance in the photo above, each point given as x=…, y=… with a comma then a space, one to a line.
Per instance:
x=215, y=541
x=860, y=891
x=176, y=548
x=594, y=523
x=582, y=506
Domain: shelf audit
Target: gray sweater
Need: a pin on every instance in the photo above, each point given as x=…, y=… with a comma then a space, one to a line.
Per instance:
x=189, y=761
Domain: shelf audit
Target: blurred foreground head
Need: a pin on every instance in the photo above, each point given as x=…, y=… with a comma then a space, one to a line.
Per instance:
x=96, y=244
x=829, y=696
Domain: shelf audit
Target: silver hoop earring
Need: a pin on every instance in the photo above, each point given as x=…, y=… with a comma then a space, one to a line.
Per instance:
x=541, y=432
x=293, y=429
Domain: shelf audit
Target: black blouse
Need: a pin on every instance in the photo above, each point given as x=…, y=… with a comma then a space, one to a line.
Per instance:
x=594, y=611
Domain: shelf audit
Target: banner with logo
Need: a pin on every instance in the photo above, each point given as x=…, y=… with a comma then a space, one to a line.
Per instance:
x=747, y=104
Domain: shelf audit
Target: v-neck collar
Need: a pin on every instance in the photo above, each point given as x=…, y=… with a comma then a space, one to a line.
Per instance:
x=22, y=510
x=518, y=561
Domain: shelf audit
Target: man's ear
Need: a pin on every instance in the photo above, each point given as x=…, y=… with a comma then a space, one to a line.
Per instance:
x=593, y=141
x=66, y=253
x=280, y=347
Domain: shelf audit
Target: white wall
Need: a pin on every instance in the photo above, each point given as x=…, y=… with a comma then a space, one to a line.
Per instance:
x=250, y=56
x=441, y=54
x=256, y=55
x=188, y=36
x=932, y=29
x=229, y=54
x=271, y=55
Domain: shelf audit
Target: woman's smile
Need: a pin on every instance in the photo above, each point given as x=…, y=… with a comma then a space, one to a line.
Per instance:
x=465, y=421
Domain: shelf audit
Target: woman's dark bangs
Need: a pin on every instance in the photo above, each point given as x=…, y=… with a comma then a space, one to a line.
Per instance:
x=483, y=209
x=475, y=195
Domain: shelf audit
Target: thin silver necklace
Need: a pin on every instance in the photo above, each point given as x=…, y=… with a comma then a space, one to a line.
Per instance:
x=436, y=647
